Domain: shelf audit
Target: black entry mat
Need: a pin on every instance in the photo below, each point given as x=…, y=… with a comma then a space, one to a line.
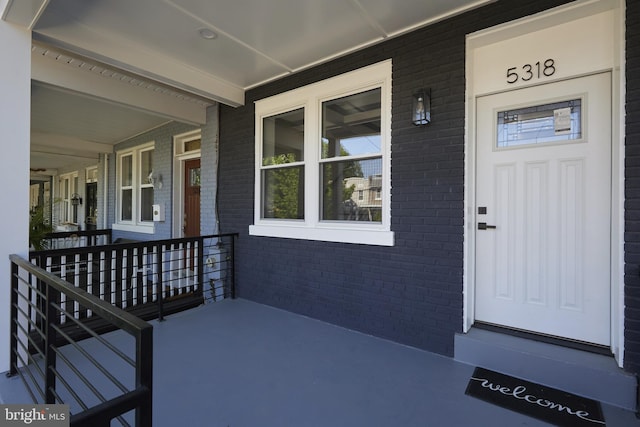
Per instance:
x=545, y=403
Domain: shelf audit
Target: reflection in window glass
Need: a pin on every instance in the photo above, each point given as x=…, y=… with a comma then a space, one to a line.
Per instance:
x=127, y=205
x=283, y=193
x=283, y=138
x=127, y=168
x=146, y=166
x=351, y=125
x=540, y=124
x=351, y=190
x=146, y=208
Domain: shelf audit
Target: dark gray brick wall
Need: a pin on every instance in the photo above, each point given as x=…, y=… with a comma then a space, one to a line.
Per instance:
x=162, y=165
x=209, y=174
x=632, y=190
x=412, y=292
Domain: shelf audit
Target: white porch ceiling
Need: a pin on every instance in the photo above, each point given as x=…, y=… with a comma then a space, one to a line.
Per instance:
x=256, y=41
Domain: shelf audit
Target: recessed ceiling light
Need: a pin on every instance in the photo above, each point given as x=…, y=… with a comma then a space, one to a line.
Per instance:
x=207, y=34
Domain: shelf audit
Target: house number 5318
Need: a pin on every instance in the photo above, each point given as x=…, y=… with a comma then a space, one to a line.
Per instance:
x=531, y=71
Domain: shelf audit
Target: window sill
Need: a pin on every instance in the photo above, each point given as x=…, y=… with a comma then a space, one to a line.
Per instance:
x=325, y=234
x=146, y=229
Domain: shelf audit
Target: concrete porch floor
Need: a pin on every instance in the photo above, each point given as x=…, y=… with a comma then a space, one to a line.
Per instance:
x=236, y=363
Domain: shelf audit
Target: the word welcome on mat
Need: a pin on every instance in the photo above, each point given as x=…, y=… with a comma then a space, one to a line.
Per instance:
x=545, y=403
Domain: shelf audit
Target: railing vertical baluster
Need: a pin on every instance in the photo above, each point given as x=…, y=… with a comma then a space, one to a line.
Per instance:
x=145, y=274
x=76, y=283
x=160, y=281
x=200, y=271
x=233, y=267
x=89, y=278
x=101, y=274
x=63, y=297
x=50, y=355
x=13, y=345
x=113, y=279
x=144, y=375
x=123, y=282
x=134, y=275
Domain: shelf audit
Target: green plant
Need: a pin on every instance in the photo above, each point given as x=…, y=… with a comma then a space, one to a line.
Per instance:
x=39, y=227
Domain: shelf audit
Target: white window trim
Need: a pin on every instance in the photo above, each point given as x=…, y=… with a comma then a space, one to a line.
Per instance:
x=135, y=224
x=311, y=97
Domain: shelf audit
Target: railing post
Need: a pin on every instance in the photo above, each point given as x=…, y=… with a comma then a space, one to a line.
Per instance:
x=201, y=249
x=13, y=346
x=233, y=267
x=144, y=376
x=51, y=317
x=160, y=285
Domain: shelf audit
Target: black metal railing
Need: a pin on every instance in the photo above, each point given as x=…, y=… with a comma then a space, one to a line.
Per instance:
x=100, y=379
x=149, y=279
x=77, y=239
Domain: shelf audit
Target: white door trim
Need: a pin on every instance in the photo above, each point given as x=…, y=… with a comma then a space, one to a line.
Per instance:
x=179, y=158
x=545, y=20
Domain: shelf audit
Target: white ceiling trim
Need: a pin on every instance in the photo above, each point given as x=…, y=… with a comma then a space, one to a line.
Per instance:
x=58, y=68
x=61, y=142
x=24, y=12
x=151, y=65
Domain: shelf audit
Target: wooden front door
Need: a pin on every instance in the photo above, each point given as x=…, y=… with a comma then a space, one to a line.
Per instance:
x=191, y=223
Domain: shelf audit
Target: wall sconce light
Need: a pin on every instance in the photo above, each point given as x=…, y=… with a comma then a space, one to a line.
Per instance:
x=421, y=107
x=155, y=180
x=76, y=199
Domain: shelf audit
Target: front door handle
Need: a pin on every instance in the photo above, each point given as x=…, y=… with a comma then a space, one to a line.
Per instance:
x=484, y=226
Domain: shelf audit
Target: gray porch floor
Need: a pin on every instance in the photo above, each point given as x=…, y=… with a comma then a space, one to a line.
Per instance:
x=241, y=364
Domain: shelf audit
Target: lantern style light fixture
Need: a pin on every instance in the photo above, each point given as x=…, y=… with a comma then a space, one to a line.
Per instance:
x=421, y=107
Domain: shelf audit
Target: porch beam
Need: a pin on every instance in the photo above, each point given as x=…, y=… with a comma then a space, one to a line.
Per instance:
x=151, y=65
x=57, y=142
x=62, y=70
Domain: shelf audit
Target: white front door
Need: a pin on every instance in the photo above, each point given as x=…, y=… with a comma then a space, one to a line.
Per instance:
x=544, y=181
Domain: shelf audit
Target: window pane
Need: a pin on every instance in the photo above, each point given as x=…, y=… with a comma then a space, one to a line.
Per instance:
x=283, y=138
x=351, y=125
x=146, y=204
x=283, y=193
x=351, y=190
x=146, y=166
x=126, y=178
x=126, y=210
x=540, y=124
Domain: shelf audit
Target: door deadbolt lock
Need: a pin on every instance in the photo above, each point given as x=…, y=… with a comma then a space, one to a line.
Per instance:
x=484, y=226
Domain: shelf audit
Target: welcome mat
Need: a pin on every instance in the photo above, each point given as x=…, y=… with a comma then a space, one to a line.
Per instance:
x=545, y=403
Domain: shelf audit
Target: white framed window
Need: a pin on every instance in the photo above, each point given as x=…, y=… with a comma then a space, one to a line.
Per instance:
x=320, y=151
x=134, y=200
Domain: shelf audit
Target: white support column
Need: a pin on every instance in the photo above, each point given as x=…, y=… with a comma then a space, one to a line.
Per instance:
x=15, y=106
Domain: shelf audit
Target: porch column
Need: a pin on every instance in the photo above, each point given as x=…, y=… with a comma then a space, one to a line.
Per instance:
x=15, y=111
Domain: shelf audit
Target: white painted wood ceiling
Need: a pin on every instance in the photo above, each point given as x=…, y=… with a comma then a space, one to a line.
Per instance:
x=256, y=41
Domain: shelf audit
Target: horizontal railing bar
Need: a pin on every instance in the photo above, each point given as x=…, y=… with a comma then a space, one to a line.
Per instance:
x=118, y=317
x=32, y=305
x=29, y=321
x=95, y=335
x=26, y=368
x=31, y=341
x=119, y=246
x=80, y=376
x=69, y=388
x=111, y=409
x=93, y=360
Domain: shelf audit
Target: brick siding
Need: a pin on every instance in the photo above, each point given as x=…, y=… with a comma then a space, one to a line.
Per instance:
x=412, y=292
x=632, y=190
